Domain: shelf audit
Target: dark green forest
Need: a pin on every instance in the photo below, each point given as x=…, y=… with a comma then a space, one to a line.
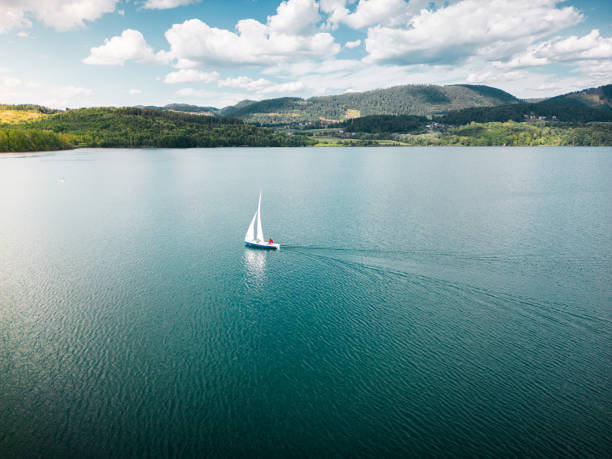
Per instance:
x=138, y=127
x=20, y=139
x=420, y=100
x=384, y=124
x=570, y=113
x=512, y=133
x=600, y=97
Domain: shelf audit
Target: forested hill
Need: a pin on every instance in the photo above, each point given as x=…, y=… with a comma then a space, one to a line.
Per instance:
x=418, y=100
x=413, y=100
x=546, y=110
x=600, y=97
x=136, y=127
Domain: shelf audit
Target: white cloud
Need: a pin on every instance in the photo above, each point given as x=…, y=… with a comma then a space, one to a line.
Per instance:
x=134, y=92
x=284, y=88
x=352, y=44
x=470, y=27
x=288, y=35
x=390, y=13
x=298, y=69
x=494, y=76
x=12, y=17
x=261, y=86
x=166, y=4
x=244, y=82
x=573, y=48
x=23, y=34
x=295, y=17
x=130, y=45
x=62, y=15
x=600, y=71
x=368, y=12
x=190, y=76
x=185, y=64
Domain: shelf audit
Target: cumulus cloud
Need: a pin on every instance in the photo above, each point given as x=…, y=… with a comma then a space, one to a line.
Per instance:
x=352, y=44
x=166, y=4
x=134, y=92
x=243, y=82
x=367, y=12
x=336, y=67
x=12, y=17
x=295, y=17
x=130, y=45
x=494, y=76
x=190, y=76
x=470, y=27
x=261, y=86
x=287, y=35
x=62, y=15
x=573, y=48
x=185, y=64
x=375, y=12
x=599, y=71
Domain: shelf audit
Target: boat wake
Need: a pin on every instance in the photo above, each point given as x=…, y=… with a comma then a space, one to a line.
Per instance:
x=382, y=265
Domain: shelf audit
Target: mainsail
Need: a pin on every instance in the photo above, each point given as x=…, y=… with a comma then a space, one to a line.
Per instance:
x=260, y=236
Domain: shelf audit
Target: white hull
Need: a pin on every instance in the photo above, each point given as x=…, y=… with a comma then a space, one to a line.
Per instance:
x=263, y=245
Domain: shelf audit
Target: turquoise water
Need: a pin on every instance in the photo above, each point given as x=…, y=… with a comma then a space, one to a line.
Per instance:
x=452, y=301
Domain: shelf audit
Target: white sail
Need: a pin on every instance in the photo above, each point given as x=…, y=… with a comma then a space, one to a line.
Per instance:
x=250, y=234
x=260, y=235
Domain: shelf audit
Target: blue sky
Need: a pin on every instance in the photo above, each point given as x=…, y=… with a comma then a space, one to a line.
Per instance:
x=72, y=53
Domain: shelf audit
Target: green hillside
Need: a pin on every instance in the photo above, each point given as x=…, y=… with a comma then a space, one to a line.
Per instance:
x=13, y=139
x=137, y=127
x=600, y=97
x=570, y=113
x=384, y=124
x=512, y=133
x=420, y=100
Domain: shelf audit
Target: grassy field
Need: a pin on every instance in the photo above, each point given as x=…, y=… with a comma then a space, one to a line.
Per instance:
x=19, y=116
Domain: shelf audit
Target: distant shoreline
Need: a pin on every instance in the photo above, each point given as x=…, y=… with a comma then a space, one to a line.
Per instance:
x=305, y=147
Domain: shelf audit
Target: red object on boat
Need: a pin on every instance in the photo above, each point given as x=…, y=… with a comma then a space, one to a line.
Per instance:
x=270, y=241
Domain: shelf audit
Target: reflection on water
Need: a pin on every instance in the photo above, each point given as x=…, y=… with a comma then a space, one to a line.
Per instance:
x=255, y=264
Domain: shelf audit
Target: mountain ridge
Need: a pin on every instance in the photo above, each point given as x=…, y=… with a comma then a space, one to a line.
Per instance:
x=410, y=100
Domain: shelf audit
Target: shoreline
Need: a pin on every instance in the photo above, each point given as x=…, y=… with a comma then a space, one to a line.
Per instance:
x=303, y=147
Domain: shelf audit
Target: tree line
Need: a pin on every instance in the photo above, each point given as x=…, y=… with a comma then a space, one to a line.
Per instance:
x=140, y=127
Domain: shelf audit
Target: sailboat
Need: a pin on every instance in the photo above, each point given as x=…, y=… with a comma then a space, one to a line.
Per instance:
x=253, y=239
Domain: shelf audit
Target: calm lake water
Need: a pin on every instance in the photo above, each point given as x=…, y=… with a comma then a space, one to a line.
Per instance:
x=452, y=301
